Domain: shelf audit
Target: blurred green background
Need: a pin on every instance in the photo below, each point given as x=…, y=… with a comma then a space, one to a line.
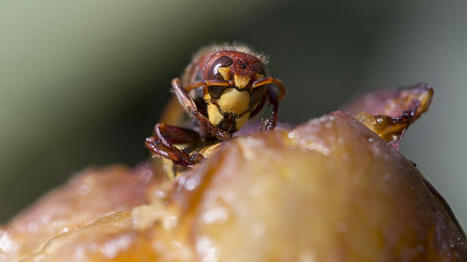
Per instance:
x=82, y=83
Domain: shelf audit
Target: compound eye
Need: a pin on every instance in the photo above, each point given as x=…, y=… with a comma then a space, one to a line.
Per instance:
x=223, y=61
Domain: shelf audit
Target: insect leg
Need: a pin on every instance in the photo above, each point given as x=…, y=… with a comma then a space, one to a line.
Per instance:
x=206, y=83
x=274, y=81
x=258, y=107
x=155, y=145
x=271, y=122
x=189, y=105
x=175, y=135
x=161, y=143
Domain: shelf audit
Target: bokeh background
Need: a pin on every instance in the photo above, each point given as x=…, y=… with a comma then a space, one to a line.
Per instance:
x=82, y=83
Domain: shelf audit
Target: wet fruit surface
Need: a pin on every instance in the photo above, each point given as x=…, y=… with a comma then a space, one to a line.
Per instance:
x=329, y=189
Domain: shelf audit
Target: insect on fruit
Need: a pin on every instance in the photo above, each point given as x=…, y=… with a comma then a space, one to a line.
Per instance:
x=221, y=89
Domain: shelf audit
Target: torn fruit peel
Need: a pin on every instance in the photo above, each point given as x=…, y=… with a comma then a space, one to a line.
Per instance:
x=389, y=112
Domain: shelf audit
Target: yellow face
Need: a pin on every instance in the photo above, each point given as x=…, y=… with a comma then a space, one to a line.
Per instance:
x=230, y=104
x=230, y=107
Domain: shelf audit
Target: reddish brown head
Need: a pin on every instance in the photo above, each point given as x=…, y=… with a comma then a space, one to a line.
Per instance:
x=234, y=84
x=242, y=68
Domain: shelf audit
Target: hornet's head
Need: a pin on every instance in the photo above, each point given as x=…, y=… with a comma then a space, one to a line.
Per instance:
x=230, y=105
x=241, y=68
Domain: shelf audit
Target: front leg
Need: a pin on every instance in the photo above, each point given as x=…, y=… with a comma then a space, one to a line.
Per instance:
x=189, y=105
x=163, y=138
x=271, y=122
x=271, y=80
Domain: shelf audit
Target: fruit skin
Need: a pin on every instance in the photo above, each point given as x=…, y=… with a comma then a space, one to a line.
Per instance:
x=330, y=190
x=389, y=112
x=327, y=190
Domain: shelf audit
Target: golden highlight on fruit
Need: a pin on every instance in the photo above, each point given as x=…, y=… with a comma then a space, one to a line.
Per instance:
x=329, y=189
